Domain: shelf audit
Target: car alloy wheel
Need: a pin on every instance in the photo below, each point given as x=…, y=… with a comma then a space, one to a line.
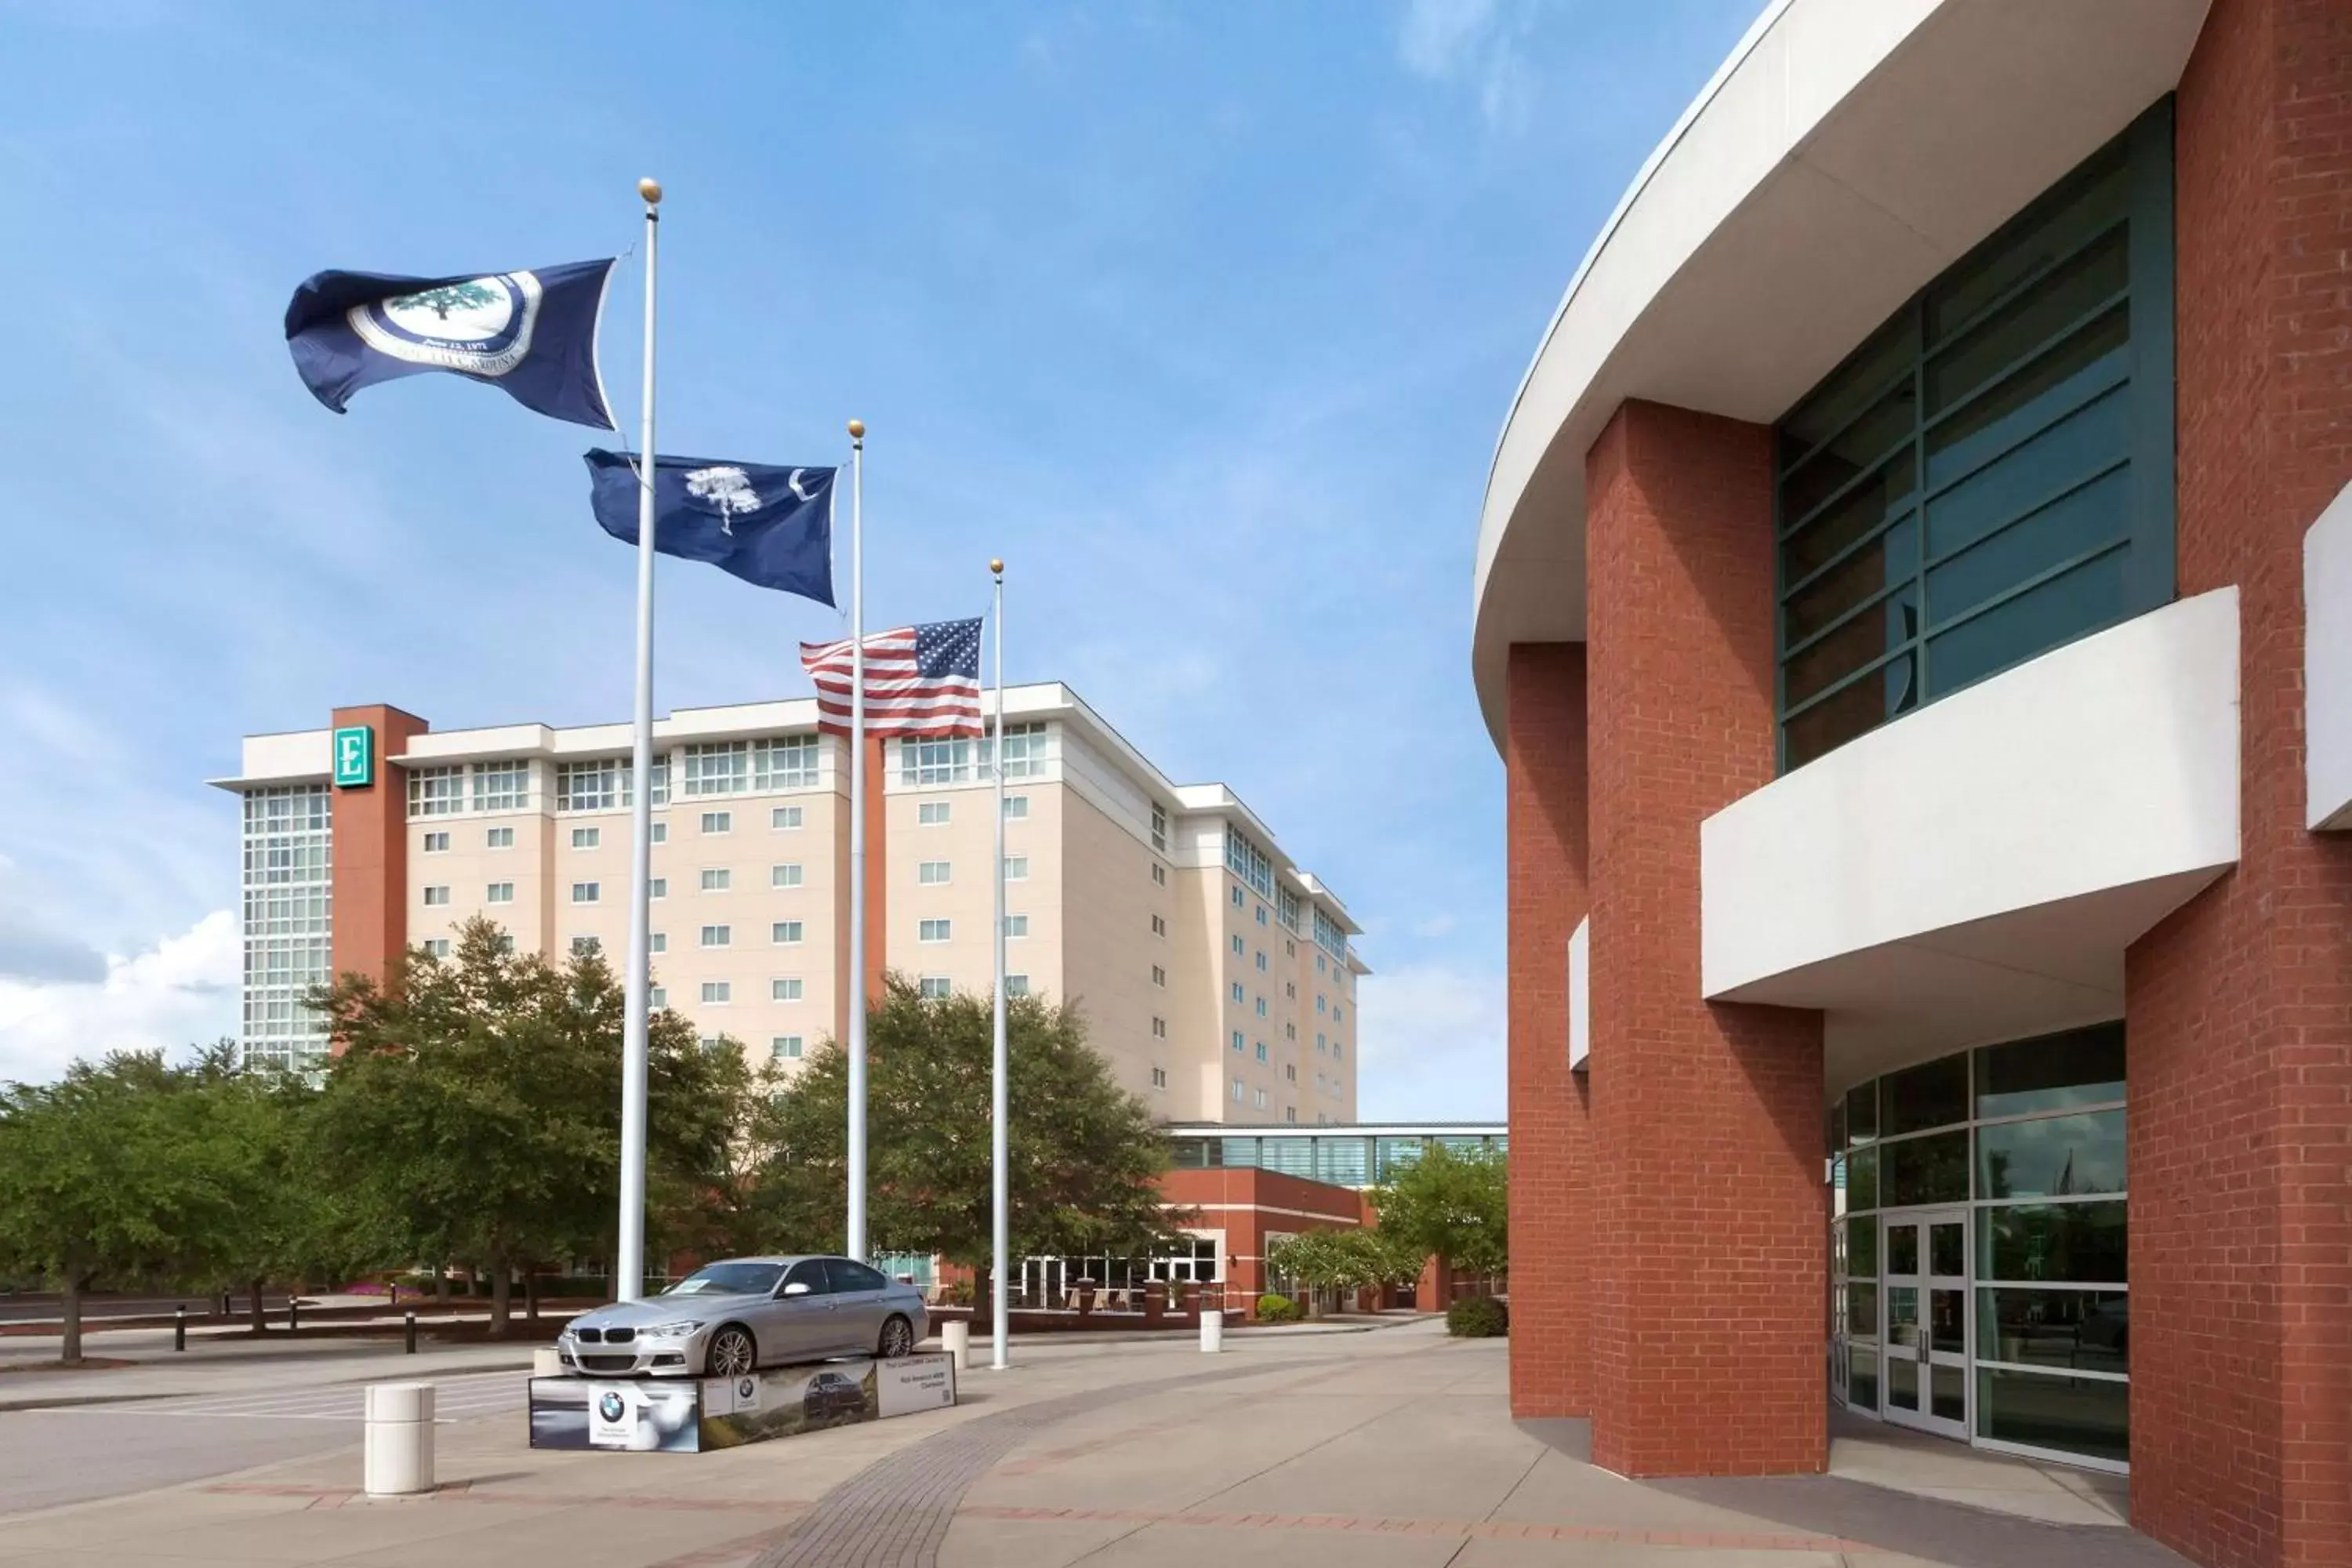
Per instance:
x=897, y=1338
x=731, y=1354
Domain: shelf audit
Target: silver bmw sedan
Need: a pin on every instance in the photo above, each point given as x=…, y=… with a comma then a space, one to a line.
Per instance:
x=728, y=1318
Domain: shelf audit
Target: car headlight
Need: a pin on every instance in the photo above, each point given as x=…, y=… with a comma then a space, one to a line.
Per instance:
x=678, y=1329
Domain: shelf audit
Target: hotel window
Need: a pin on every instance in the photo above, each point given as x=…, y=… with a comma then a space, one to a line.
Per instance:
x=784, y=934
x=1240, y=1043
x=1319, y=963
x=785, y=1047
x=934, y=762
x=718, y=822
x=717, y=879
x=501, y=786
x=786, y=761
x=933, y=931
x=1016, y=808
x=934, y=988
x=721, y=767
x=1257, y=1100
x=1989, y=475
x=1239, y=1089
x=1159, y=925
x=1290, y=1072
x=1025, y=751
x=1247, y=861
x=585, y=892
x=1016, y=985
x=436, y=843
x=1336, y=1051
x=933, y=812
x=1332, y=938
x=783, y=990
x=1320, y=1043
x=1158, y=975
x=785, y=875
x=1261, y=964
x=1289, y=948
x=498, y=893
x=931, y=873
x=438, y=946
x=717, y=993
x=1290, y=990
x=1159, y=829
x=1289, y=901
x=784, y=816
x=1261, y=1050
x=1236, y=945
x=1290, y=1031
x=1321, y=1005
x=1016, y=868
x=658, y=888
x=587, y=838
x=1290, y=1113
x=660, y=833
x=599, y=785
x=1159, y=1028
x=584, y=945
x=1237, y=898
x=498, y=839
x=1261, y=915
x=718, y=936
x=436, y=792
x=506, y=941
x=657, y=941
x=1160, y=1078
x=1339, y=1013
x=1237, y=992
x=657, y=998
x=1159, y=873
x=1016, y=927
x=1261, y=1007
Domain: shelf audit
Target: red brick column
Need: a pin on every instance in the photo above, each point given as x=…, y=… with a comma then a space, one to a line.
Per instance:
x=1707, y=1135
x=1543, y=759
x=2239, y=1006
x=368, y=904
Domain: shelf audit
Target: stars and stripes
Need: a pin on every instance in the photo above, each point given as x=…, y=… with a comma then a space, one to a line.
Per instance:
x=919, y=680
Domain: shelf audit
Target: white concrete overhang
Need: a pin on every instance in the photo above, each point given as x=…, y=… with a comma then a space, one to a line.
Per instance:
x=2328, y=667
x=1846, y=153
x=1974, y=870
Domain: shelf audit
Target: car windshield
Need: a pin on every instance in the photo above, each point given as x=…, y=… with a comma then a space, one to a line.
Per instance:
x=729, y=1279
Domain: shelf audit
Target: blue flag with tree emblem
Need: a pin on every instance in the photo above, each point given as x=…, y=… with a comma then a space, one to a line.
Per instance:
x=767, y=525
x=533, y=334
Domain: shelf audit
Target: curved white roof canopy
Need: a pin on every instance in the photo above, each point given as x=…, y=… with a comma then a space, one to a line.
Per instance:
x=1847, y=152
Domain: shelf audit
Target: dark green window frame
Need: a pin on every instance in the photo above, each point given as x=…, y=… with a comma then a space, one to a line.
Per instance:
x=2108, y=459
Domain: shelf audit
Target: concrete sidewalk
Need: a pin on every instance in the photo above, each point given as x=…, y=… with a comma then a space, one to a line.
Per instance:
x=1387, y=1447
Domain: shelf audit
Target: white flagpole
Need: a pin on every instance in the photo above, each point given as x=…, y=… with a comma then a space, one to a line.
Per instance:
x=1000, y=1139
x=857, y=839
x=629, y=1266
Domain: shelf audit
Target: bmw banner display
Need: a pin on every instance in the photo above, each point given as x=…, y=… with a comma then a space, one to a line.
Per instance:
x=661, y=1415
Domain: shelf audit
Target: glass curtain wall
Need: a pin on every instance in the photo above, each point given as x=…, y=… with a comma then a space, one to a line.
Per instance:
x=2030, y=1137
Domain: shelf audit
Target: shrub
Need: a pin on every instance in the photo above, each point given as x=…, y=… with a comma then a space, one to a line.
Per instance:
x=956, y=1293
x=1274, y=1308
x=1478, y=1318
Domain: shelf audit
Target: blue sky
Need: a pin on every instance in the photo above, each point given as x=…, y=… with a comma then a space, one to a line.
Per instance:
x=1204, y=316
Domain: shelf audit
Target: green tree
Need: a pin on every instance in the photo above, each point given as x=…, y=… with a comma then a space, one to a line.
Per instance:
x=474, y=1110
x=451, y=297
x=1342, y=1259
x=1450, y=1207
x=1086, y=1154
x=126, y=1172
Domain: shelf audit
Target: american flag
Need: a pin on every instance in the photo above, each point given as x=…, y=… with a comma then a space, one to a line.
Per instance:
x=919, y=680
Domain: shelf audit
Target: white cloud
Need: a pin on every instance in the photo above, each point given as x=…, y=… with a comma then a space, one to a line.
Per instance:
x=181, y=992
x=1474, y=42
x=1432, y=1047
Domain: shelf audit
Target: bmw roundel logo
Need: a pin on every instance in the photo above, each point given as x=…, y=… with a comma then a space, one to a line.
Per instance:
x=747, y=1387
x=611, y=1405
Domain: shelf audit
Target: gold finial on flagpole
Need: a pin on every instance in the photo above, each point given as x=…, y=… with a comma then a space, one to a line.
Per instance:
x=857, y=429
x=651, y=190
x=996, y=568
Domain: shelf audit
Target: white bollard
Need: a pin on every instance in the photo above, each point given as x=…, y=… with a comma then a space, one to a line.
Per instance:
x=956, y=1340
x=546, y=1360
x=1213, y=1331
x=399, y=1455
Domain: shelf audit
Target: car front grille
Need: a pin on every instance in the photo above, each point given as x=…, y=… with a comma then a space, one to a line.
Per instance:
x=609, y=1363
x=619, y=1336
x=589, y=1336
x=604, y=1336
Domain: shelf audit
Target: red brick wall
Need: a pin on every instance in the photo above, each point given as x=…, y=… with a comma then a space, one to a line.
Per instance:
x=368, y=906
x=1709, y=1254
x=1247, y=1203
x=2240, y=1006
x=1543, y=759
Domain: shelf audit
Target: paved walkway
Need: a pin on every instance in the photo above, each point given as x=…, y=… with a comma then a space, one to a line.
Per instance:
x=1391, y=1448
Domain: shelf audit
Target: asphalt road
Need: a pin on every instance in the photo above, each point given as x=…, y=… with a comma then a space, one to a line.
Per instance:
x=50, y=1458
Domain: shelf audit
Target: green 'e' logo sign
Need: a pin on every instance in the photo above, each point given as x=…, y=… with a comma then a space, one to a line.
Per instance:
x=354, y=757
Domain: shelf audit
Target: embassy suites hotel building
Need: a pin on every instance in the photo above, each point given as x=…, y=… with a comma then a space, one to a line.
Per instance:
x=1214, y=973
x=1914, y=607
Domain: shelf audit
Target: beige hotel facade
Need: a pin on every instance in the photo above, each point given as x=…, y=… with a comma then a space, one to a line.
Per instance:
x=1215, y=974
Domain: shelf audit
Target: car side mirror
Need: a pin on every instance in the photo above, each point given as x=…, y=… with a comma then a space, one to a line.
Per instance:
x=797, y=1287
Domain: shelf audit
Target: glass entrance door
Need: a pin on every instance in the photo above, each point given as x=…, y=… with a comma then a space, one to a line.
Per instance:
x=1926, y=1294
